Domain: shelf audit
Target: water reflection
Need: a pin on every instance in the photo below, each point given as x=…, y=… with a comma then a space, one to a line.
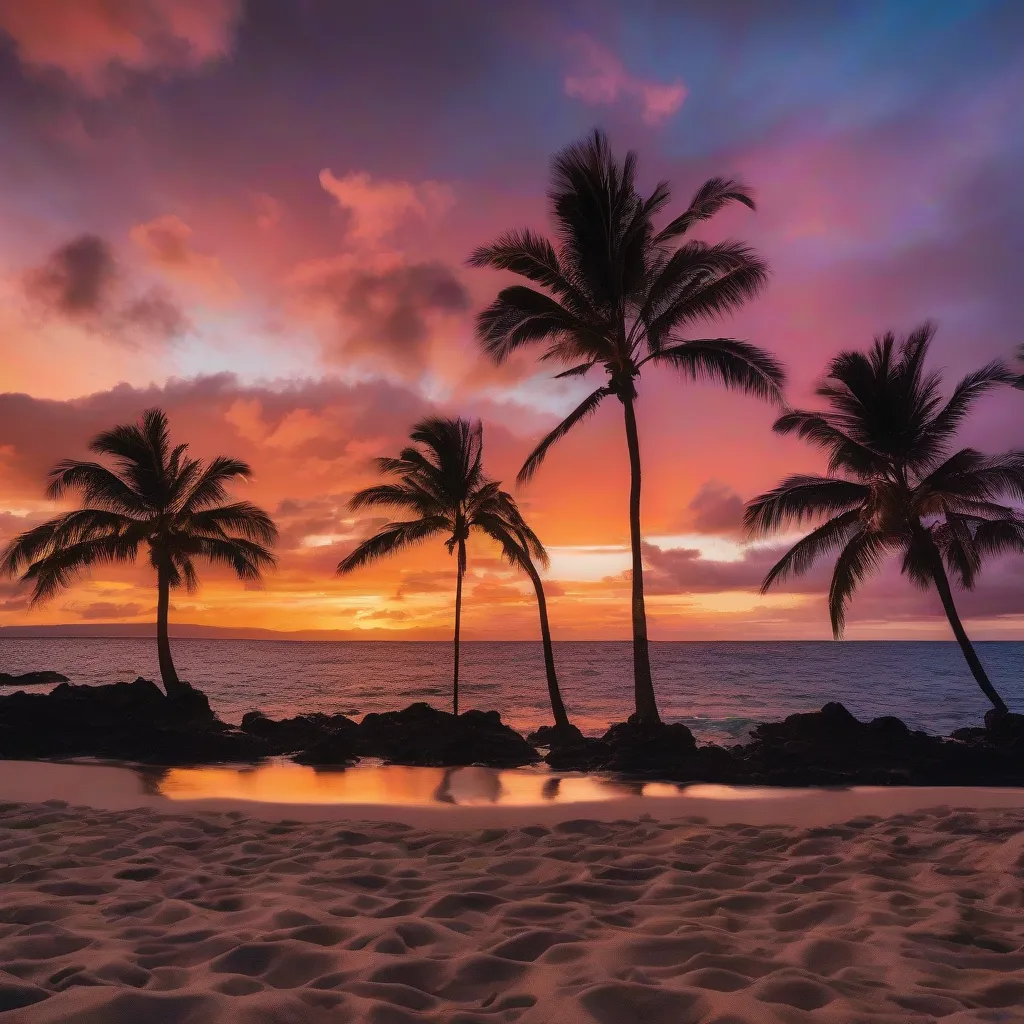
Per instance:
x=391, y=785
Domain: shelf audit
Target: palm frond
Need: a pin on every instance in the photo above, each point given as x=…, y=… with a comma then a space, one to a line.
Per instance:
x=586, y=408
x=955, y=540
x=801, y=557
x=577, y=371
x=736, y=364
x=522, y=316
x=799, y=498
x=939, y=431
x=211, y=486
x=709, y=199
x=858, y=559
x=241, y=518
x=970, y=474
x=999, y=537
x=845, y=452
x=392, y=496
x=71, y=529
x=63, y=566
x=97, y=485
x=532, y=256
x=390, y=540
x=246, y=558
x=700, y=282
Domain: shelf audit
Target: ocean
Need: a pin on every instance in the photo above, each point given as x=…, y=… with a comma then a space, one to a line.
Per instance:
x=719, y=689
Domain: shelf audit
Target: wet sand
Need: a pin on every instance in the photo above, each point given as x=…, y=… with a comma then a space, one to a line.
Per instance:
x=178, y=913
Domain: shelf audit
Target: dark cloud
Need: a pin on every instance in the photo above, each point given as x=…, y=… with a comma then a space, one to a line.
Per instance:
x=684, y=571
x=155, y=315
x=715, y=508
x=99, y=611
x=77, y=279
x=425, y=581
x=385, y=614
x=886, y=596
x=80, y=281
x=388, y=314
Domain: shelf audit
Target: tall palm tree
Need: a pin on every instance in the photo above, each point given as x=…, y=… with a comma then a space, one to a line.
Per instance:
x=617, y=292
x=439, y=479
x=905, y=489
x=154, y=496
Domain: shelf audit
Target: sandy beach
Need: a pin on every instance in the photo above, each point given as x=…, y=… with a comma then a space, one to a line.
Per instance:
x=124, y=916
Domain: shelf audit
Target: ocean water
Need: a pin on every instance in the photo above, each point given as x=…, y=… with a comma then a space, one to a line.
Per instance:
x=719, y=689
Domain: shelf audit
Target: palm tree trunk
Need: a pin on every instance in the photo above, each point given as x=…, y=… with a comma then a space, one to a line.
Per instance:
x=458, y=623
x=970, y=655
x=643, y=684
x=172, y=685
x=554, y=694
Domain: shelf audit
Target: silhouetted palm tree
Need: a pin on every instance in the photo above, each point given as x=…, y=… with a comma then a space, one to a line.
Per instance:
x=618, y=293
x=523, y=550
x=154, y=496
x=888, y=428
x=441, y=482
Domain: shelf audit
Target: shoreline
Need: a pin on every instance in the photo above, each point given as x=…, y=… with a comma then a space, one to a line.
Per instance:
x=137, y=723
x=204, y=915
x=116, y=788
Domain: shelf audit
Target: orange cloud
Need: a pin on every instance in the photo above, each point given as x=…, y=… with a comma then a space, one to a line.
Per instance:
x=376, y=208
x=268, y=211
x=167, y=244
x=600, y=78
x=94, y=42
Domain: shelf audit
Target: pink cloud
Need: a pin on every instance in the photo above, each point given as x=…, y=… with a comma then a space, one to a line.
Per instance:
x=93, y=42
x=167, y=243
x=600, y=78
x=377, y=208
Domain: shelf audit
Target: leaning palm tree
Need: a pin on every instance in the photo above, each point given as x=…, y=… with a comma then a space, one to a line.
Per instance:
x=905, y=489
x=154, y=496
x=522, y=549
x=439, y=480
x=619, y=293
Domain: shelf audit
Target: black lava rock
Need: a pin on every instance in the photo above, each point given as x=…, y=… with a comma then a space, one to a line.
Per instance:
x=336, y=750
x=122, y=721
x=1005, y=730
x=422, y=735
x=831, y=747
x=32, y=679
x=588, y=755
x=299, y=733
x=555, y=736
x=658, y=749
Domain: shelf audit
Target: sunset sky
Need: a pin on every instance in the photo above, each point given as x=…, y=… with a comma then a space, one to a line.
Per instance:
x=256, y=215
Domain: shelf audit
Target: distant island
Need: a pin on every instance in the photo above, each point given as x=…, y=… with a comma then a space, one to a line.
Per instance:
x=195, y=631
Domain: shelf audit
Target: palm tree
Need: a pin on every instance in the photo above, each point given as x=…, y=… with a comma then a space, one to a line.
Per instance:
x=154, y=496
x=439, y=479
x=523, y=549
x=889, y=430
x=616, y=292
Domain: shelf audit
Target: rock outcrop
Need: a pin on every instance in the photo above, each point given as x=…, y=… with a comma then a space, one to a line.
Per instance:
x=422, y=735
x=829, y=747
x=122, y=721
x=32, y=679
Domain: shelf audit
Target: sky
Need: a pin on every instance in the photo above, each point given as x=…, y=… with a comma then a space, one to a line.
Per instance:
x=257, y=216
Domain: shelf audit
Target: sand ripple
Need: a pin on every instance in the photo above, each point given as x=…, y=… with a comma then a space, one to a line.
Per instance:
x=125, y=917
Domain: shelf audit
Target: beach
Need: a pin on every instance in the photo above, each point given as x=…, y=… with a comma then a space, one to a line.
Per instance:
x=200, y=915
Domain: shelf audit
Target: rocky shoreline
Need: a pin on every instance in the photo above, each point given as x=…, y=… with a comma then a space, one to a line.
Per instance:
x=136, y=722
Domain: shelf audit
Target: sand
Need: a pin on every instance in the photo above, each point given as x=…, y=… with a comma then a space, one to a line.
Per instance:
x=144, y=917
